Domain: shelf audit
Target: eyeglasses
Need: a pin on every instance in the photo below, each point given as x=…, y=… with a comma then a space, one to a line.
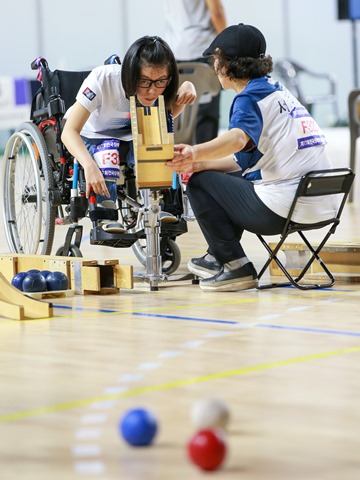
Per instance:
x=162, y=83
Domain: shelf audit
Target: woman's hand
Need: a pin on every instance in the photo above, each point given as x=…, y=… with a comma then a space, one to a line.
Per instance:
x=78, y=115
x=186, y=94
x=183, y=152
x=94, y=180
x=183, y=161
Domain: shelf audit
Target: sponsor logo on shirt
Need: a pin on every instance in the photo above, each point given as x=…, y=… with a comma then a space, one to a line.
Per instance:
x=311, y=141
x=89, y=93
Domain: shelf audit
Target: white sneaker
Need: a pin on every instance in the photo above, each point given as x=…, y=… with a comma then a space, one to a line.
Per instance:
x=110, y=226
x=107, y=204
x=166, y=217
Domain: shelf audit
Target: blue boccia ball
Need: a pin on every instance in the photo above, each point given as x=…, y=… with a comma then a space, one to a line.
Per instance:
x=17, y=280
x=45, y=273
x=138, y=427
x=57, y=281
x=34, y=282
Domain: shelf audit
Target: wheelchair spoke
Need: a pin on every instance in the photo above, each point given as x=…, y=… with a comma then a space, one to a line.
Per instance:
x=28, y=215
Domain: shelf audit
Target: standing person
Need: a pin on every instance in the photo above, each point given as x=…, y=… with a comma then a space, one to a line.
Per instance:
x=99, y=121
x=271, y=142
x=190, y=26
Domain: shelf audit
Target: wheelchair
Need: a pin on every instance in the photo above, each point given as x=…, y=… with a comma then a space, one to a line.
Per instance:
x=42, y=186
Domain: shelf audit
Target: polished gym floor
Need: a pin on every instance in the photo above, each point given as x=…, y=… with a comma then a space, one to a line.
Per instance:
x=286, y=362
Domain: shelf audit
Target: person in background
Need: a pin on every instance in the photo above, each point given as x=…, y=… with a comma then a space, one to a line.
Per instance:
x=99, y=122
x=190, y=26
x=246, y=178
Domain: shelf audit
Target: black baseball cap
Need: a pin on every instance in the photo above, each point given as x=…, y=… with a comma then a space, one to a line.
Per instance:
x=238, y=41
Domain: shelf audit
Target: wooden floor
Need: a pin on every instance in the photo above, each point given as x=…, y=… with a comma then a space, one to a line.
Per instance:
x=287, y=363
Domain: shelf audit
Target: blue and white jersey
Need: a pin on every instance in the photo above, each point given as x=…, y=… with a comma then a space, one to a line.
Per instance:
x=286, y=143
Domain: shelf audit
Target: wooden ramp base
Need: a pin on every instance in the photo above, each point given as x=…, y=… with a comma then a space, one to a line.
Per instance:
x=51, y=294
x=17, y=306
x=86, y=276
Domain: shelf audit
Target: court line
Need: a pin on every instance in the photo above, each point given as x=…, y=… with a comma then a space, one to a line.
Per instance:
x=260, y=325
x=309, y=329
x=95, y=311
x=175, y=384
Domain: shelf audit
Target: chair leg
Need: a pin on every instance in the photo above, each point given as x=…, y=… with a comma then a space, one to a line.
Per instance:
x=291, y=280
x=353, y=138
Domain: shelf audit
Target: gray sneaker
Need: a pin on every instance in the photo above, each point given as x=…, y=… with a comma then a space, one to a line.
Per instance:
x=241, y=278
x=204, y=268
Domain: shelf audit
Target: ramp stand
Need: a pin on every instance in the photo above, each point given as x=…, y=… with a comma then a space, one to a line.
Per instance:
x=152, y=231
x=153, y=147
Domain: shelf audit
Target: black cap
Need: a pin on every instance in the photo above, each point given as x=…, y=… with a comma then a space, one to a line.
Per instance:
x=238, y=41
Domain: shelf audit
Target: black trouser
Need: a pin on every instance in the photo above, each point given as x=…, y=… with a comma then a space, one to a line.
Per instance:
x=225, y=205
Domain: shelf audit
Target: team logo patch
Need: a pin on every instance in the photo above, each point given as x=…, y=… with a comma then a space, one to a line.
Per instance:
x=89, y=93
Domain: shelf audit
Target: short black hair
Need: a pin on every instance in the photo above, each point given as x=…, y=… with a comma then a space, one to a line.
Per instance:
x=149, y=51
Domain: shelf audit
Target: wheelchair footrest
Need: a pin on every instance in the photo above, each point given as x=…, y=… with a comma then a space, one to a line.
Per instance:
x=174, y=229
x=116, y=240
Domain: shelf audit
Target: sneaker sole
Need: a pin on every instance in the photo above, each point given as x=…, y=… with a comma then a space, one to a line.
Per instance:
x=169, y=220
x=114, y=230
x=200, y=272
x=229, y=286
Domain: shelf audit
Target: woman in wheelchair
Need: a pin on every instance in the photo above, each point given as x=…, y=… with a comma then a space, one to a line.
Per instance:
x=98, y=124
x=271, y=143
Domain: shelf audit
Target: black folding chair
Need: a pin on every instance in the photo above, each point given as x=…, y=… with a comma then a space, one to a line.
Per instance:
x=313, y=184
x=354, y=128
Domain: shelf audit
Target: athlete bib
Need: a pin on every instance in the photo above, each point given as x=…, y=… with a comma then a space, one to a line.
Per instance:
x=106, y=156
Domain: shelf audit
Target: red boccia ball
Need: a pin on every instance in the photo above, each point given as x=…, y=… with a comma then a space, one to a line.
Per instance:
x=34, y=282
x=207, y=449
x=57, y=281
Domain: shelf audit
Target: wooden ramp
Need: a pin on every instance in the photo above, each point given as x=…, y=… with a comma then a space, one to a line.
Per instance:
x=19, y=306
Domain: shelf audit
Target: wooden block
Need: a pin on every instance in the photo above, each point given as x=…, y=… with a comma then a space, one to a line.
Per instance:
x=92, y=276
x=124, y=276
x=90, y=279
x=339, y=277
x=343, y=259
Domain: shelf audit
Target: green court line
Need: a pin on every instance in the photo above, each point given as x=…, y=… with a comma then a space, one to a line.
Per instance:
x=175, y=384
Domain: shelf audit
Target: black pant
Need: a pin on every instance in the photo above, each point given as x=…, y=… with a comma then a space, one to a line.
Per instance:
x=225, y=205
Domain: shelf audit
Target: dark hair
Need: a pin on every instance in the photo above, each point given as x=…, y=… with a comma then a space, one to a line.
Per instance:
x=149, y=51
x=243, y=67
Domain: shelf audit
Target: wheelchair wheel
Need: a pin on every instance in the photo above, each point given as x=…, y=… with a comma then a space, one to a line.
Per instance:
x=26, y=184
x=171, y=257
x=74, y=251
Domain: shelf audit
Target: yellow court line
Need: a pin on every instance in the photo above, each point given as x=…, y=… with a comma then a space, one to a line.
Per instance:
x=175, y=384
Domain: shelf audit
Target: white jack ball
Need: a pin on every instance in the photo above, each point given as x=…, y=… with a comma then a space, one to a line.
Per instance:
x=210, y=413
